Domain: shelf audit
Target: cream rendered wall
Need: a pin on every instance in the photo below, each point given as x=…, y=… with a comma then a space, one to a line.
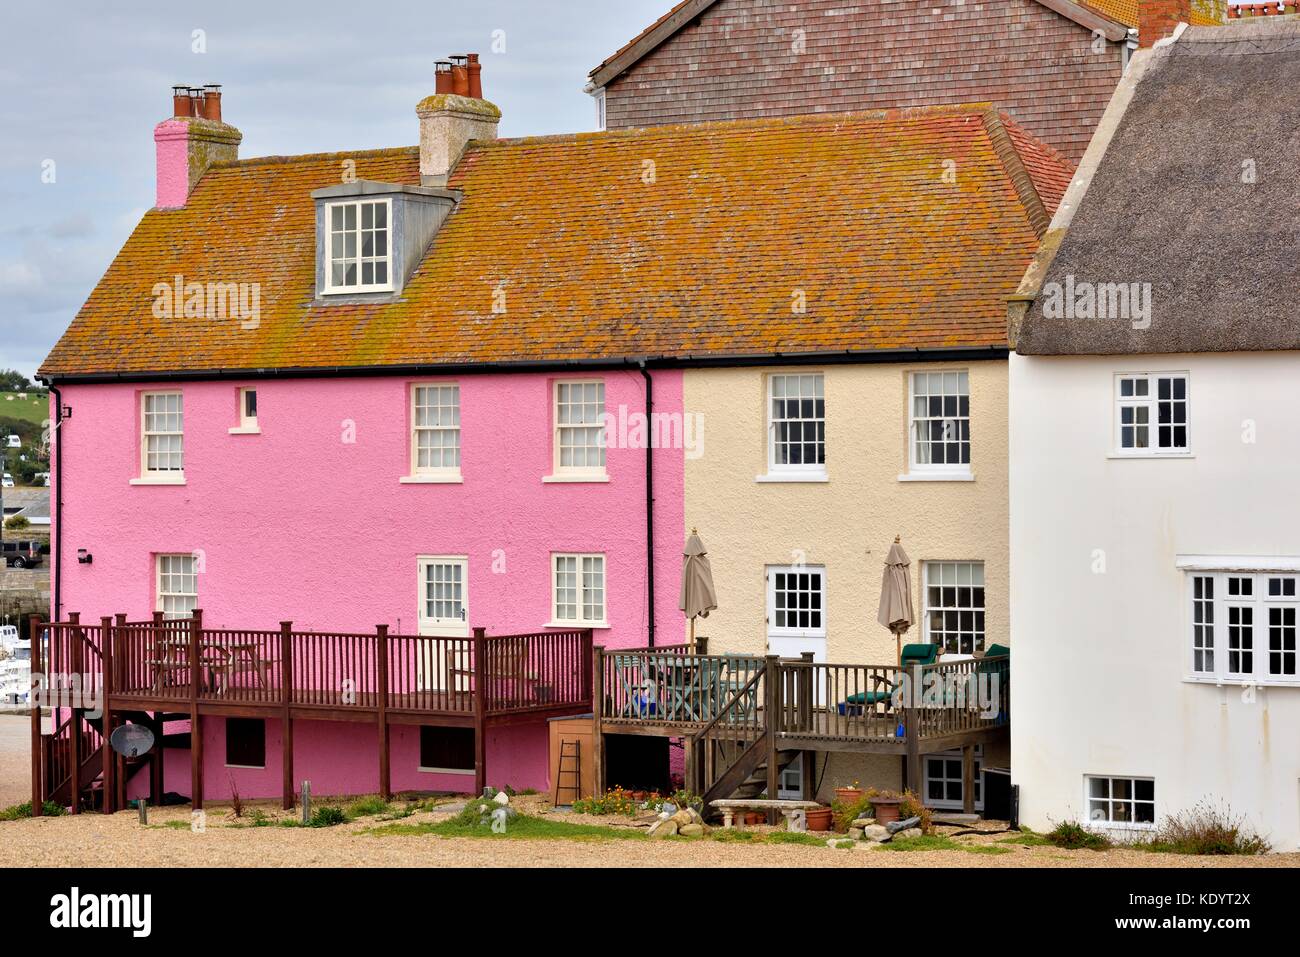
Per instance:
x=1101, y=656
x=847, y=523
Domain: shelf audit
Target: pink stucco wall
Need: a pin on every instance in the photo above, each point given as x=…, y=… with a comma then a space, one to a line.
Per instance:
x=301, y=524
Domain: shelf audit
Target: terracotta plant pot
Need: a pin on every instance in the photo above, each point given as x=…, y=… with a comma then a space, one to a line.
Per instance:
x=849, y=796
x=886, y=809
x=755, y=817
x=819, y=819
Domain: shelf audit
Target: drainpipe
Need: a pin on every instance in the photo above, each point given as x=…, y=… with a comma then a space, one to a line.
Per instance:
x=649, y=500
x=57, y=436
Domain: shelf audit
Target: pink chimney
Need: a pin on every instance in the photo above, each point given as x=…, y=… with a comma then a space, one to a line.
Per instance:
x=192, y=140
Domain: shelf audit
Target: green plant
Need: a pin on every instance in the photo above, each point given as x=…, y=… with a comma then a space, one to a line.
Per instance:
x=366, y=807
x=16, y=523
x=926, y=842
x=1026, y=838
x=616, y=801
x=911, y=806
x=987, y=849
x=1072, y=836
x=327, y=815
x=846, y=814
x=19, y=811
x=1206, y=828
x=522, y=826
x=236, y=802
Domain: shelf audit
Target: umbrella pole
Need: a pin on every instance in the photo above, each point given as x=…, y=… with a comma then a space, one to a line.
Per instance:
x=692, y=636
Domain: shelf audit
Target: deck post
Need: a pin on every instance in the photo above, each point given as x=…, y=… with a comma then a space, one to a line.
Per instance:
x=480, y=710
x=286, y=721
x=773, y=689
x=806, y=691
x=38, y=746
x=119, y=773
x=381, y=676
x=74, y=640
x=809, y=779
x=968, y=778
x=109, y=791
x=912, y=732
x=597, y=713
x=196, y=730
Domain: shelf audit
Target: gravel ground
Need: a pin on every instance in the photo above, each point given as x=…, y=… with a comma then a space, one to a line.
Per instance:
x=96, y=840
x=93, y=840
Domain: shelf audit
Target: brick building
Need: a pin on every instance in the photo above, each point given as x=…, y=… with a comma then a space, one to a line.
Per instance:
x=1052, y=64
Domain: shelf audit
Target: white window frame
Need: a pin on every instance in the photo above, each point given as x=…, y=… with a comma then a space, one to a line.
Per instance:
x=248, y=424
x=943, y=469
x=329, y=287
x=934, y=564
x=577, y=473
x=161, y=596
x=582, y=620
x=159, y=476
x=801, y=472
x=1261, y=605
x=1151, y=403
x=424, y=474
x=947, y=804
x=1109, y=823
x=600, y=108
x=775, y=630
x=435, y=627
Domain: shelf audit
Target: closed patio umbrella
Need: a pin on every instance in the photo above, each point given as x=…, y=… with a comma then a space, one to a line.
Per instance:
x=896, y=595
x=698, y=597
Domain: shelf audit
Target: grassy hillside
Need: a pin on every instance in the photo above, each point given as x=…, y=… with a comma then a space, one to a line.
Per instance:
x=33, y=408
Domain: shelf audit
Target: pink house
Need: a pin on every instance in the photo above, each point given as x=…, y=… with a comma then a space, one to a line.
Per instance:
x=332, y=391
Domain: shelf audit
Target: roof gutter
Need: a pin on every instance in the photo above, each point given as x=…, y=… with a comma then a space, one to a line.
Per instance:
x=842, y=357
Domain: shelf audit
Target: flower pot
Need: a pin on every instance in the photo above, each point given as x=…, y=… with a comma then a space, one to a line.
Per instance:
x=755, y=817
x=819, y=819
x=886, y=809
x=849, y=796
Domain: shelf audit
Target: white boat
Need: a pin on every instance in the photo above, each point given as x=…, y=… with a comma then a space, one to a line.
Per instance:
x=16, y=673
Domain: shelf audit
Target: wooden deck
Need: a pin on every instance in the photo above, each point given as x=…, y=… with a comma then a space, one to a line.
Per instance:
x=142, y=671
x=722, y=705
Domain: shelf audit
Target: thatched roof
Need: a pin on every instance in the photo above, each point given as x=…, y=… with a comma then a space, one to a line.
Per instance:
x=1197, y=194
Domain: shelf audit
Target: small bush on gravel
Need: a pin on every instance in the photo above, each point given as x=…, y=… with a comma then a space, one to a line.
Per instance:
x=1206, y=829
x=367, y=807
x=19, y=811
x=926, y=842
x=1073, y=837
x=327, y=816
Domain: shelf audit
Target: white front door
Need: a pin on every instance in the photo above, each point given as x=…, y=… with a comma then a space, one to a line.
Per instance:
x=796, y=612
x=444, y=614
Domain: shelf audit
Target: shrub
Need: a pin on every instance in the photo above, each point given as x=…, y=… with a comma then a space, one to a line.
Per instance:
x=1072, y=836
x=236, y=802
x=367, y=807
x=616, y=801
x=327, y=816
x=16, y=523
x=1207, y=829
x=912, y=807
x=19, y=811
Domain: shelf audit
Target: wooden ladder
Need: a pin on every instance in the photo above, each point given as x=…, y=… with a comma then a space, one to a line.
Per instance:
x=574, y=772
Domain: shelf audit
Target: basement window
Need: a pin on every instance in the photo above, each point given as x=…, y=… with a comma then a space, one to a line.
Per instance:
x=245, y=743
x=358, y=257
x=447, y=750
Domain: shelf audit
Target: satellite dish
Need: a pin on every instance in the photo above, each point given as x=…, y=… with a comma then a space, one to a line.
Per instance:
x=131, y=740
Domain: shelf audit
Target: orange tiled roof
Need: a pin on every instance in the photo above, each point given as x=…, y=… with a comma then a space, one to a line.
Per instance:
x=853, y=210
x=1126, y=12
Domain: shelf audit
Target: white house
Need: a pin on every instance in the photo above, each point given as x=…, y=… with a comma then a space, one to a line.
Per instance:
x=1155, y=453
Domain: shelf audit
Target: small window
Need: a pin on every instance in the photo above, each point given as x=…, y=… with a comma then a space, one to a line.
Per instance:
x=943, y=780
x=1127, y=802
x=247, y=413
x=940, y=420
x=177, y=586
x=444, y=596
x=796, y=602
x=450, y=750
x=357, y=256
x=578, y=589
x=797, y=424
x=245, y=743
x=1152, y=414
x=162, y=435
x=954, y=606
x=435, y=430
x=600, y=108
x=580, y=429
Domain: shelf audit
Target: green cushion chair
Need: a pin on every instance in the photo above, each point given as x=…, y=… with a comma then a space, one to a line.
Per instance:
x=918, y=654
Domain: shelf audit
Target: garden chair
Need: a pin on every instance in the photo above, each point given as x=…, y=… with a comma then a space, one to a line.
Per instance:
x=886, y=691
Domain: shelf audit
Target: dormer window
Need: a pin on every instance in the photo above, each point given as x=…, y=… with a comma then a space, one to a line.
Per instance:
x=359, y=254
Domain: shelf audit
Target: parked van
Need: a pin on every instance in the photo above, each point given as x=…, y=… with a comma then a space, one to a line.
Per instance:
x=7, y=481
x=19, y=554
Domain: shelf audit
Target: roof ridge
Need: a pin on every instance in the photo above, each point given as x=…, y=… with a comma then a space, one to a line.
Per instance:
x=1014, y=164
x=279, y=159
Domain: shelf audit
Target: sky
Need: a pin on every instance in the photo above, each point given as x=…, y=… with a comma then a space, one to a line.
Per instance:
x=82, y=85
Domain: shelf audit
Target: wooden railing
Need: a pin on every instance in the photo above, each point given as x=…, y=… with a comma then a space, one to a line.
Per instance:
x=964, y=696
x=160, y=662
x=838, y=702
x=669, y=687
